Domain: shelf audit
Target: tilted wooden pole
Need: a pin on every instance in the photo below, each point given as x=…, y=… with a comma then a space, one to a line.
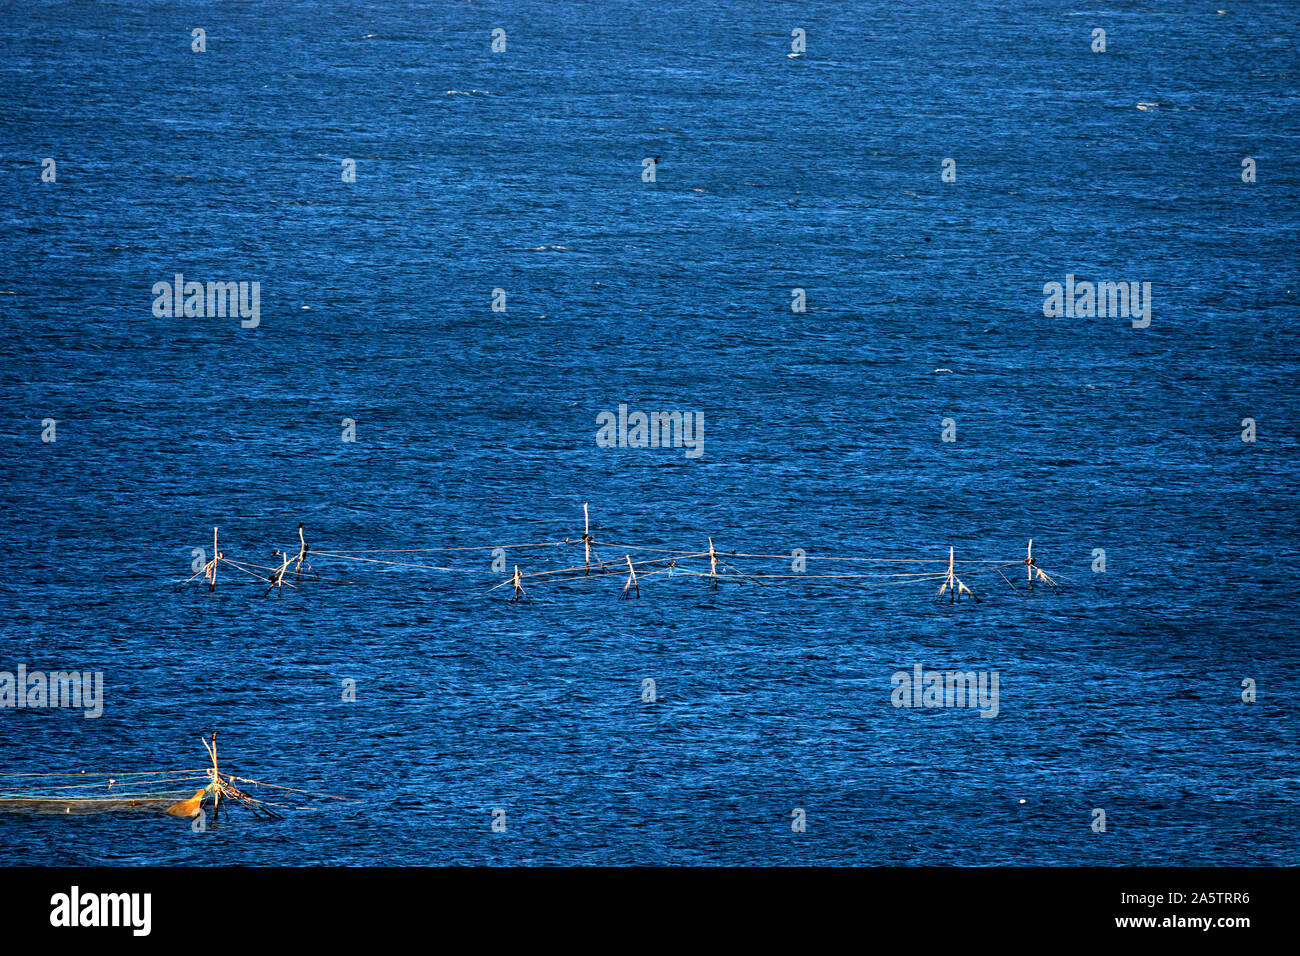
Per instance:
x=277, y=576
x=631, y=581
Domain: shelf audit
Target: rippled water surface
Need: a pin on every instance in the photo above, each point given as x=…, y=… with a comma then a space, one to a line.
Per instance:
x=522, y=171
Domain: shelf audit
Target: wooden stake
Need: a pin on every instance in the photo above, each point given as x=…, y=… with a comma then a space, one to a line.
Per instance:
x=953, y=584
x=212, y=753
x=302, y=553
x=631, y=581
x=216, y=776
x=586, y=539
x=212, y=565
x=277, y=576
x=952, y=576
x=214, y=773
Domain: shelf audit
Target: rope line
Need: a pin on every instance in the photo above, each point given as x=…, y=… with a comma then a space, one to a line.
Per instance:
x=477, y=547
x=98, y=773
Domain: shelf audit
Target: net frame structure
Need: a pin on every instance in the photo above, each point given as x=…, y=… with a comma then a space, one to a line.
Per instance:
x=178, y=793
x=709, y=565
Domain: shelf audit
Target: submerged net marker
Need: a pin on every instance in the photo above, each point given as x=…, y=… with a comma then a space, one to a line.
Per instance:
x=172, y=792
x=558, y=562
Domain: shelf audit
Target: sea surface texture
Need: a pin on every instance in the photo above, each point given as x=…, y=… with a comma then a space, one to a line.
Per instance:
x=921, y=400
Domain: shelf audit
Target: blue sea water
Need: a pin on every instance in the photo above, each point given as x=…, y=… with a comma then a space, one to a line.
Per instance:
x=522, y=170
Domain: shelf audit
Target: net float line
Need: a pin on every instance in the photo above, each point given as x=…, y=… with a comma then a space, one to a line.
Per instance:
x=177, y=793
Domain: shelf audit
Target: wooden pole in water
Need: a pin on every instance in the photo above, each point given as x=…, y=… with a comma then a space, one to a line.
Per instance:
x=212, y=576
x=961, y=585
x=302, y=552
x=277, y=576
x=586, y=539
x=631, y=581
x=214, y=773
x=953, y=584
